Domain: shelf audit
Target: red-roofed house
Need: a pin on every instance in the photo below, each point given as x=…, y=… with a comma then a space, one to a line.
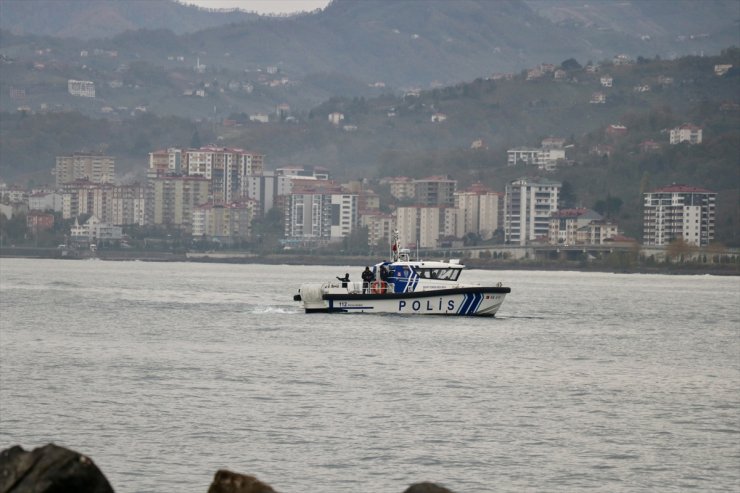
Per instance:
x=616, y=130
x=39, y=221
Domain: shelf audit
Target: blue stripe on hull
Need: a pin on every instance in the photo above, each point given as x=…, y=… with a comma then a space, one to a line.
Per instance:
x=476, y=304
x=465, y=304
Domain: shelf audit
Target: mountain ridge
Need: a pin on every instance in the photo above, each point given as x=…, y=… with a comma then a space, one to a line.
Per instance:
x=402, y=43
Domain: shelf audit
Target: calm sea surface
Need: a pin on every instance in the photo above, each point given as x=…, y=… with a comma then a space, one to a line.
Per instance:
x=165, y=372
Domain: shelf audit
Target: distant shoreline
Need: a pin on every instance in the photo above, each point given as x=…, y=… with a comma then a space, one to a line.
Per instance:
x=359, y=260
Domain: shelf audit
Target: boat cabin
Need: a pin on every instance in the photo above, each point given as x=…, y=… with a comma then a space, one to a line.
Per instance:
x=409, y=276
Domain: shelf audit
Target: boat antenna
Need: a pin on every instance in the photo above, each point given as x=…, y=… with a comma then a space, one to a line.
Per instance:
x=394, y=246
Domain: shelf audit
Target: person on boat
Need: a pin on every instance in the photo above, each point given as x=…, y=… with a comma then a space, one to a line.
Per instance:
x=383, y=273
x=344, y=279
x=367, y=278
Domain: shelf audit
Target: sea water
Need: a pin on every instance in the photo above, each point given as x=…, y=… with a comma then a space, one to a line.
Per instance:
x=164, y=373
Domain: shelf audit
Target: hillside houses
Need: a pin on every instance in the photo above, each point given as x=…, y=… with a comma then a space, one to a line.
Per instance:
x=686, y=133
x=546, y=158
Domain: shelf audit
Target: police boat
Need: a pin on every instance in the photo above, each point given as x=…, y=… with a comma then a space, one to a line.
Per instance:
x=405, y=286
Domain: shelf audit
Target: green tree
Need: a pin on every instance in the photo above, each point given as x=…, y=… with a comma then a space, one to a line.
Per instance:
x=195, y=140
x=571, y=64
x=268, y=230
x=13, y=229
x=608, y=207
x=357, y=241
x=567, y=195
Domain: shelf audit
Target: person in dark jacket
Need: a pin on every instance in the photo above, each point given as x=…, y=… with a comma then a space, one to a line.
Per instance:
x=367, y=278
x=344, y=279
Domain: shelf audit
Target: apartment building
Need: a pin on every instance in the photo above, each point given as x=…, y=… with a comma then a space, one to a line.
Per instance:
x=13, y=194
x=94, y=230
x=83, y=196
x=424, y=226
x=529, y=204
x=545, y=158
x=686, y=133
x=94, y=167
x=128, y=205
x=571, y=226
x=171, y=200
x=402, y=187
x=116, y=205
x=165, y=161
x=227, y=170
x=39, y=221
x=319, y=211
x=480, y=211
x=223, y=222
x=597, y=233
x=44, y=201
x=81, y=88
x=435, y=191
x=679, y=212
x=379, y=226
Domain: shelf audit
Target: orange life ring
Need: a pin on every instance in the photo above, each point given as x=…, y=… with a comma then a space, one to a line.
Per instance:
x=377, y=287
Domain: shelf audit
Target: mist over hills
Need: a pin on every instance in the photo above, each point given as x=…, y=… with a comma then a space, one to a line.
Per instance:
x=402, y=43
x=88, y=19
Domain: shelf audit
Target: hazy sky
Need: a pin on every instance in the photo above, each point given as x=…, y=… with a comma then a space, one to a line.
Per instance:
x=262, y=6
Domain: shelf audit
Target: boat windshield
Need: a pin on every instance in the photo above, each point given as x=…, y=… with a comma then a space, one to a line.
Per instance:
x=444, y=274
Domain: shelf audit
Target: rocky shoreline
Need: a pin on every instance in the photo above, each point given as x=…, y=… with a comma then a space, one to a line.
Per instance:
x=55, y=469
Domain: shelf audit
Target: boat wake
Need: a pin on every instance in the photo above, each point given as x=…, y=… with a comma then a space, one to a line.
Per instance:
x=262, y=310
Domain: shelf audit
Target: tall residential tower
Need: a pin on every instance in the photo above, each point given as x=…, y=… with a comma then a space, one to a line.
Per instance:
x=679, y=212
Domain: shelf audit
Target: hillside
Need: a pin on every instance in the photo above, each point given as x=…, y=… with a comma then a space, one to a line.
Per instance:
x=88, y=19
x=391, y=135
x=400, y=44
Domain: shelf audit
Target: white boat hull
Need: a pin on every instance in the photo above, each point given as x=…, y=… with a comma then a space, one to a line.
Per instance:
x=461, y=301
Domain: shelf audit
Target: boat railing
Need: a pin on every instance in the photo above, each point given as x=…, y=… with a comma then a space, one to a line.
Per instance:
x=375, y=287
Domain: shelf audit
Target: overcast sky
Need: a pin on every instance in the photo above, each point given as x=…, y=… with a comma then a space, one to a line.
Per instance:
x=262, y=6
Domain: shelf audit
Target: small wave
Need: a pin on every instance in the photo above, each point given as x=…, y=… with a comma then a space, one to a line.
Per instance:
x=525, y=317
x=64, y=284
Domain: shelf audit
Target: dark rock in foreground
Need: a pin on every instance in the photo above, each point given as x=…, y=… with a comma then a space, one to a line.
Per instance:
x=426, y=488
x=49, y=469
x=54, y=469
x=231, y=482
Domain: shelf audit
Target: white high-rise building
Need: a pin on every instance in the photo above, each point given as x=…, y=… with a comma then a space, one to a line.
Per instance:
x=319, y=211
x=679, y=212
x=529, y=203
x=227, y=170
x=480, y=211
x=423, y=226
